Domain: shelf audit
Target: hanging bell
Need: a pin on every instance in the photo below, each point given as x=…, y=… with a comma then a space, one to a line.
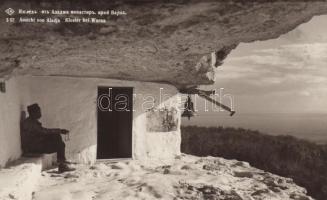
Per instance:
x=188, y=108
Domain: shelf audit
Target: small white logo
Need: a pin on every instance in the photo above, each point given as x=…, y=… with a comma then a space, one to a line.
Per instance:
x=10, y=11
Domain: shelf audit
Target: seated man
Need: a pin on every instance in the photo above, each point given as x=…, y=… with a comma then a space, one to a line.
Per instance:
x=37, y=139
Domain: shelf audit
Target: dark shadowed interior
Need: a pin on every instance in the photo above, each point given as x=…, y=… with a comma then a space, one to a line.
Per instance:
x=114, y=122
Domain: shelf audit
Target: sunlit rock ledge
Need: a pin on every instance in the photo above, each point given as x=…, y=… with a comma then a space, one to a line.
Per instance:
x=186, y=177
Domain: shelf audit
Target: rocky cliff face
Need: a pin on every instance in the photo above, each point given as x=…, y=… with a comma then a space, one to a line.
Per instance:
x=301, y=160
x=179, y=42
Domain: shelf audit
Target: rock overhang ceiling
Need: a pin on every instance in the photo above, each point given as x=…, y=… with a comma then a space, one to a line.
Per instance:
x=177, y=42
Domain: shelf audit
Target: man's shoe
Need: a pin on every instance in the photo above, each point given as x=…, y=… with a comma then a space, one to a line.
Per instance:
x=69, y=162
x=64, y=168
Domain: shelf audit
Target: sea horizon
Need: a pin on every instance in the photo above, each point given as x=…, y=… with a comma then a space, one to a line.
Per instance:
x=308, y=126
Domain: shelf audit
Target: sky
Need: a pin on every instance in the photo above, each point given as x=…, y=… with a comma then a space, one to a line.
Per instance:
x=283, y=75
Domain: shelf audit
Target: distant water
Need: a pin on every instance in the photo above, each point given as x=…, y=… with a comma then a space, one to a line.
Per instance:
x=306, y=126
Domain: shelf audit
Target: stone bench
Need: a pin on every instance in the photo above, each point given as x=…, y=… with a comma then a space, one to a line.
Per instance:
x=19, y=180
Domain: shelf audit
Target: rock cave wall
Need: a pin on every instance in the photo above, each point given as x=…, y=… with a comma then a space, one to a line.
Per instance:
x=9, y=123
x=176, y=42
x=71, y=103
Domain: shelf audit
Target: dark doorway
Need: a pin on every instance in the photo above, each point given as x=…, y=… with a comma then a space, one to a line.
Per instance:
x=115, y=108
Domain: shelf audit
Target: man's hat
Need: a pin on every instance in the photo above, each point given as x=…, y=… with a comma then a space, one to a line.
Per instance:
x=32, y=108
